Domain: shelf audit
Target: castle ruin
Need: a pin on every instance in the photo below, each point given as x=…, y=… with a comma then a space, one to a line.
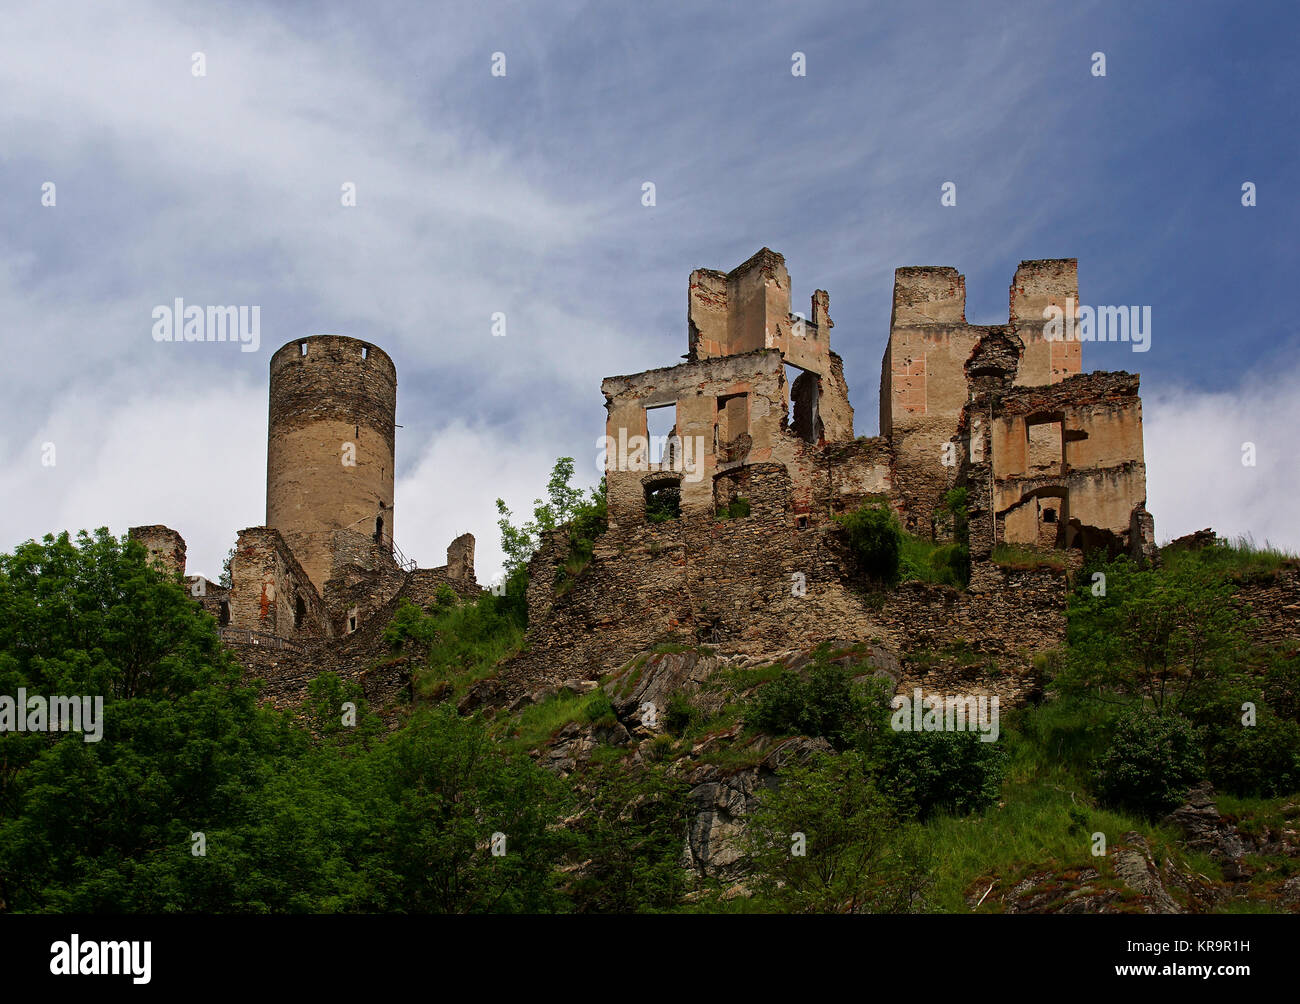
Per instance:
x=325, y=561
x=1050, y=456
x=724, y=531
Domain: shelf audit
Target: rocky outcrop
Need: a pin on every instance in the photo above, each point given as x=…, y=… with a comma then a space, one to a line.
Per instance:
x=1137, y=869
x=720, y=801
x=1205, y=830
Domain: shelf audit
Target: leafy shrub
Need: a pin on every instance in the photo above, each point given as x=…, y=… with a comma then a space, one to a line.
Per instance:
x=876, y=540
x=679, y=714
x=826, y=705
x=1260, y=760
x=1152, y=761
x=738, y=509
x=930, y=772
x=662, y=505
x=859, y=857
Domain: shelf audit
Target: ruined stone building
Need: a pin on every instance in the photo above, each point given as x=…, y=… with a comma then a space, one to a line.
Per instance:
x=1049, y=456
x=325, y=563
x=724, y=532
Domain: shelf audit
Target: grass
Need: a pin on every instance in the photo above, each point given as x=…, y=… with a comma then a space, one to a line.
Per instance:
x=1238, y=555
x=566, y=577
x=1022, y=558
x=539, y=722
x=1045, y=818
x=922, y=560
x=1257, y=814
x=461, y=642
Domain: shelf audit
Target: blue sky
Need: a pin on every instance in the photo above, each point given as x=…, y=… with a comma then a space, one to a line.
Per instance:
x=522, y=194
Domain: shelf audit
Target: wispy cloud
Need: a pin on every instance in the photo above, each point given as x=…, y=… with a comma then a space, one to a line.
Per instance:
x=521, y=195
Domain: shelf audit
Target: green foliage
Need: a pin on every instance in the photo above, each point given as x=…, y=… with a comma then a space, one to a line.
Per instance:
x=1262, y=759
x=106, y=826
x=1151, y=762
x=663, y=505
x=1282, y=685
x=459, y=643
x=875, y=539
x=933, y=772
x=537, y=723
x=680, y=714
x=1020, y=558
x=630, y=838
x=587, y=517
x=858, y=857
x=444, y=789
x=952, y=518
x=927, y=561
x=598, y=710
x=825, y=705
x=1169, y=637
x=1070, y=734
x=328, y=715
x=1239, y=555
x=738, y=509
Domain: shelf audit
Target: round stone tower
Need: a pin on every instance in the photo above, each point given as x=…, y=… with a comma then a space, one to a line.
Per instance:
x=329, y=456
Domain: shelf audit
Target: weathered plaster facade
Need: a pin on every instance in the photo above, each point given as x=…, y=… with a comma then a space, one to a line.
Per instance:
x=1055, y=456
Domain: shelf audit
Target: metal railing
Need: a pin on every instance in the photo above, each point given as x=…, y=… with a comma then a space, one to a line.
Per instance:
x=402, y=561
x=375, y=546
x=241, y=636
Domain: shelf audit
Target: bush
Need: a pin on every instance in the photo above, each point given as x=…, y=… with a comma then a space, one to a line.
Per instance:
x=1152, y=761
x=679, y=714
x=738, y=509
x=1255, y=761
x=876, y=540
x=930, y=772
x=858, y=856
x=827, y=705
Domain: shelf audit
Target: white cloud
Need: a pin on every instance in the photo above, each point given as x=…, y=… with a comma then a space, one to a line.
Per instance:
x=1194, y=449
x=454, y=485
x=192, y=458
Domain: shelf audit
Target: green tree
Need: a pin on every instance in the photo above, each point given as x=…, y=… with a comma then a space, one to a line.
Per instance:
x=565, y=504
x=858, y=856
x=627, y=841
x=108, y=825
x=1169, y=637
x=876, y=540
x=443, y=790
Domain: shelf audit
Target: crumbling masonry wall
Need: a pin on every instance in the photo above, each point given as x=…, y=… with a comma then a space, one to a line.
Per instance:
x=735, y=407
x=271, y=593
x=165, y=546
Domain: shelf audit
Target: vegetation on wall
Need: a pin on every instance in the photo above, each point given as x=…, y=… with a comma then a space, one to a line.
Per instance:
x=200, y=798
